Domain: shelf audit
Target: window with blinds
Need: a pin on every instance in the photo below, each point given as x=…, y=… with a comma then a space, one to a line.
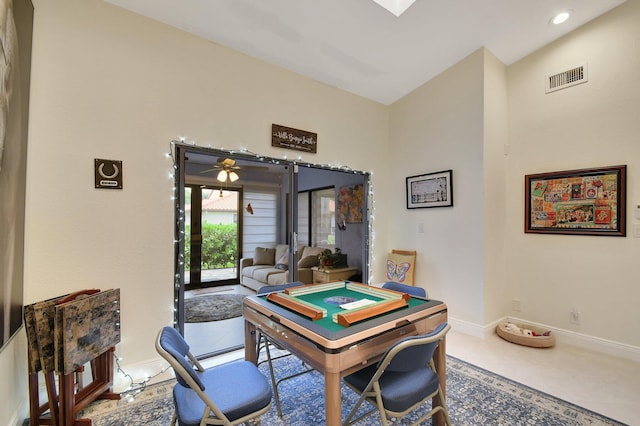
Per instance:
x=260, y=224
x=303, y=219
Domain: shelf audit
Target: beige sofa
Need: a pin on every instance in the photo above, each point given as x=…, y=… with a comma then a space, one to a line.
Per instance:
x=269, y=266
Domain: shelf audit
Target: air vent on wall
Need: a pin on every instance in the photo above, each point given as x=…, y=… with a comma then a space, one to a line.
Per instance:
x=568, y=78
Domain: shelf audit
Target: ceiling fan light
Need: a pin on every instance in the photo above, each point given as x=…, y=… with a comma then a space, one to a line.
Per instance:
x=222, y=176
x=233, y=176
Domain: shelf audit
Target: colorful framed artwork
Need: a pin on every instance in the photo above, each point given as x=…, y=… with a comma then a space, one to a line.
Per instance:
x=430, y=190
x=350, y=204
x=581, y=202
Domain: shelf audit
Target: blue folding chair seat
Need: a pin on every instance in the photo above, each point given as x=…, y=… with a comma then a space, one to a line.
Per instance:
x=227, y=394
x=402, y=380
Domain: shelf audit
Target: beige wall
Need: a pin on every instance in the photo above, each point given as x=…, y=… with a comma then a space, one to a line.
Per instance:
x=492, y=125
x=439, y=126
x=589, y=125
x=109, y=84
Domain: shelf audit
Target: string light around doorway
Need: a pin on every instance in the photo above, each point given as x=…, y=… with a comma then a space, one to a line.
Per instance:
x=179, y=236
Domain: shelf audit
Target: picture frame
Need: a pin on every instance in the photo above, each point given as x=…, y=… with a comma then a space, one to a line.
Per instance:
x=430, y=190
x=577, y=202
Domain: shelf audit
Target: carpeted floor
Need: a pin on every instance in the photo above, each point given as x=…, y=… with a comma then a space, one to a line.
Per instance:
x=474, y=396
x=213, y=307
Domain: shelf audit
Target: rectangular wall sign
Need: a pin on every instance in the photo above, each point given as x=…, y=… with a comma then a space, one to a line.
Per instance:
x=298, y=140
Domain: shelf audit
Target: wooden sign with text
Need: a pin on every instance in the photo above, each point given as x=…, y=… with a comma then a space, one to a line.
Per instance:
x=298, y=140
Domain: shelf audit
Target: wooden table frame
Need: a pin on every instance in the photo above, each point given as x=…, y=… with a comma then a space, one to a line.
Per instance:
x=341, y=357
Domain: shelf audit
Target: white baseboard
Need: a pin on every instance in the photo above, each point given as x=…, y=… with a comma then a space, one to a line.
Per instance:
x=469, y=328
x=18, y=417
x=567, y=337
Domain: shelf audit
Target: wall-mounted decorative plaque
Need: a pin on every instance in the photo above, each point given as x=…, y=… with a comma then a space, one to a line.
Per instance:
x=108, y=173
x=298, y=140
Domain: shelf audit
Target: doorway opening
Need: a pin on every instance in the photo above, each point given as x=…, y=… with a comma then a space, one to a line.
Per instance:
x=212, y=236
x=273, y=202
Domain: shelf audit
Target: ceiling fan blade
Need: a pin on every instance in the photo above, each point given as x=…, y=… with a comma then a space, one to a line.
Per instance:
x=210, y=170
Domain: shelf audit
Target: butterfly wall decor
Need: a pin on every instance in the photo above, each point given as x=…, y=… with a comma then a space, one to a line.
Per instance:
x=401, y=266
x=397, y=272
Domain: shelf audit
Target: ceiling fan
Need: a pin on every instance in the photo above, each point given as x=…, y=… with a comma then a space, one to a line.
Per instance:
x=227, y=168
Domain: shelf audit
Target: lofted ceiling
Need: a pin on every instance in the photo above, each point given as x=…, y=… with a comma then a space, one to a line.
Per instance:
x=360, y=47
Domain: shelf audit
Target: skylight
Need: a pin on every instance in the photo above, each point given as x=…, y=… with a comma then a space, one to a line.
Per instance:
x=397, y=7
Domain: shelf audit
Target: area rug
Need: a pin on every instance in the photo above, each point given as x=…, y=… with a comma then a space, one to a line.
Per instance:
x=213, y=307
x=475, y=397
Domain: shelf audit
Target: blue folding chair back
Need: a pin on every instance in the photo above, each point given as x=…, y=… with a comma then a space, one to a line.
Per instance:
x=402, y=380
x=227, y=394
x=405, y=288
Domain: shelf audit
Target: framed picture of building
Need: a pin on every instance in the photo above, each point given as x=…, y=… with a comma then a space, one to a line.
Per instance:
x=430, y=190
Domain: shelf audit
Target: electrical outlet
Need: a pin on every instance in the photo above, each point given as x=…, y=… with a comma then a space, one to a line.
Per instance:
x=574, y=317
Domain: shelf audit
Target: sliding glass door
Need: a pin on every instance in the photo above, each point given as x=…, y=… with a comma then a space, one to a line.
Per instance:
x=317, y=217
x=228, y=204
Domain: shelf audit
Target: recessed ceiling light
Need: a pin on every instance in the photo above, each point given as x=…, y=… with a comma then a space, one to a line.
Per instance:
x=560, y=18
x=397, y=7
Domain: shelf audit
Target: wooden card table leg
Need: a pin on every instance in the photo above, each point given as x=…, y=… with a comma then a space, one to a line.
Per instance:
x=332, y=402
x=250, y=342
x=440, y=361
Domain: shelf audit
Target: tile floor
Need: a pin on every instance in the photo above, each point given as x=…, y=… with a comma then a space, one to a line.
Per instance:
x=598, y=382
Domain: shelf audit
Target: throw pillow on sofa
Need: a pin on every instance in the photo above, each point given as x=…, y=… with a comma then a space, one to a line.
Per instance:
x=283, y=262
x=264, y=256
x=308, y=262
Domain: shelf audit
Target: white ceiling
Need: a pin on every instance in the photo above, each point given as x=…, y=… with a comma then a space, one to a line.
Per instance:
x=358, y=46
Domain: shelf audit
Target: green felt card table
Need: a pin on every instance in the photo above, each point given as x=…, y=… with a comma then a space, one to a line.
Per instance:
x=334, y=349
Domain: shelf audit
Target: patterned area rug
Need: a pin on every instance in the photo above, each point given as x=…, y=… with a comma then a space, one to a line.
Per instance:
x=475, y=397
x=213, y=307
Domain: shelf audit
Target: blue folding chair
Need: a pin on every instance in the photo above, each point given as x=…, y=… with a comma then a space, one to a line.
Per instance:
x=227, y=394
x=402, y=380
x=405, y=288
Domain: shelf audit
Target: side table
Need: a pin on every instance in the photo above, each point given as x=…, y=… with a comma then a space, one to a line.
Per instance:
x=332, y=274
